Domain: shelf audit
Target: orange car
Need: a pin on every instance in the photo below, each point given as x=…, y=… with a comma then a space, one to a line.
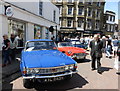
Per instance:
x=73, y=52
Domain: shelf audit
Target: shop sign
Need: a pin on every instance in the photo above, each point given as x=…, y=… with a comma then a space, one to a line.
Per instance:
x=9, y=12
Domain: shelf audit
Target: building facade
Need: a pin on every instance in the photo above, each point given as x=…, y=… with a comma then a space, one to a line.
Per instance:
x=80, y=17
x=110, y=25
x=27, y=22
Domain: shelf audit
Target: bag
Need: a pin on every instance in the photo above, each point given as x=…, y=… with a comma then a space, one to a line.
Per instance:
x=98, y=54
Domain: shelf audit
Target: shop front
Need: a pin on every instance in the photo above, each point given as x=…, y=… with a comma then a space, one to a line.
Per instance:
x=19, y=29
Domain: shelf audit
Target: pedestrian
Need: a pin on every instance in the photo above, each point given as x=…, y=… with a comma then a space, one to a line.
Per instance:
x=13, y=46
x=5, y=50
x=117, y=59
x=115, y=46
x=109, y=48
x=104, y=44
x=96, y=53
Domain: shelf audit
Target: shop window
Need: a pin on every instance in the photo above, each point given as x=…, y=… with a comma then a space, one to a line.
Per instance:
x=47, y=33
x=37, y=32
x=17, y=28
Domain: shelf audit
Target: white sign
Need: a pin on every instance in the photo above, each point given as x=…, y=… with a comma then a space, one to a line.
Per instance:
x=9, y=12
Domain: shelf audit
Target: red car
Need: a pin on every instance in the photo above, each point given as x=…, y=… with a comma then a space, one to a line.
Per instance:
x=73, y=52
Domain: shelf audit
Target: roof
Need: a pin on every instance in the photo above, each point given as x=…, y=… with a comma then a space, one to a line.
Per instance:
x=39, y=40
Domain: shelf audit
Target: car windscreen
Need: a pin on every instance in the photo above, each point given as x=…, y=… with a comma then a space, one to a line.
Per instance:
x=40, y=45
x=65, y=44
x=77, y=42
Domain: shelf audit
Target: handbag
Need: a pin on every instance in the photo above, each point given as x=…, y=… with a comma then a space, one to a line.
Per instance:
x=98, y=54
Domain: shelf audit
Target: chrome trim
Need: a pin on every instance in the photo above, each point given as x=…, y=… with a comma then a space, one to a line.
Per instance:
x=32, y=77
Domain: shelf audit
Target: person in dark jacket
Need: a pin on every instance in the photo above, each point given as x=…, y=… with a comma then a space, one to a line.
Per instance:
x=5, y=50
x=104, y=44
x=96, y=46
x=118, y=51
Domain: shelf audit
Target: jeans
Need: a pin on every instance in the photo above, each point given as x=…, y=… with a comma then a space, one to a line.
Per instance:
x=6, y=56
x=108, y=51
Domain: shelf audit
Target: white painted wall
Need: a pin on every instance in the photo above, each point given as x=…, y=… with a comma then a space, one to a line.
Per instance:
x=29, y=31
x=33, y=6
x=3, y=28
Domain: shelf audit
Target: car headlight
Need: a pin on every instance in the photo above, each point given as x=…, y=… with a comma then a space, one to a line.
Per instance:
x=71, y=67
x=66, y=67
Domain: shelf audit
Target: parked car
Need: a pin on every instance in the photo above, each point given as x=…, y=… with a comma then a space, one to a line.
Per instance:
x=42, y=62
x=77, y=43
x=71, y=51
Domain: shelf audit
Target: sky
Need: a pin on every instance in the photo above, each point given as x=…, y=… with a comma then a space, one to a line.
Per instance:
x=112, y=5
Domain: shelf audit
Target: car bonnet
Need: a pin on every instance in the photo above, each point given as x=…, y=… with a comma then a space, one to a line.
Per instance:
x=45, y=58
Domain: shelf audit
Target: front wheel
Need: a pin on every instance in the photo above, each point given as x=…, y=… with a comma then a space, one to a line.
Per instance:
x=27, y=83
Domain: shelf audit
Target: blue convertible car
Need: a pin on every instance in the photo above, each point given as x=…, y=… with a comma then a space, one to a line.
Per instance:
x=42, y=62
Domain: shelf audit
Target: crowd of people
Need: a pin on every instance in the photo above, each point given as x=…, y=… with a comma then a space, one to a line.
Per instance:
x=98, y=45
x=9, y=49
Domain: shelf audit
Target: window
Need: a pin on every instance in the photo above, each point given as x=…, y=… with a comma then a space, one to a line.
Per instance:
x=90, y=2
x=69, y=23
x=58, y=0
x=40, y=7
x=89, y=12
x=80, y=10
x=97, y=14
x=54, y=15
x=69, y=10
x=113, y=18
x=98, y=4
x=47, y=33
x=81, y=1
x=69, y=1
x=97, y=25
x=60, y=10
x=80, y=23
x=89, y=23
x=110, y=18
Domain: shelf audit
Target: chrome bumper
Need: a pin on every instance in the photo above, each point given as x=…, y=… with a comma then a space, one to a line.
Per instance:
x=38, y=77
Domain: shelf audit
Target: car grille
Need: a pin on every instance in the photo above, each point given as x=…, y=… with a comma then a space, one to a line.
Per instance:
x=48, y=70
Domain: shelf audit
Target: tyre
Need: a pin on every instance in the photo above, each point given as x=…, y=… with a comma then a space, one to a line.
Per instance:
x=27, y=83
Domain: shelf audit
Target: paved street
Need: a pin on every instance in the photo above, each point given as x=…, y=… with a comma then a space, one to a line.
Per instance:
x=85, y=79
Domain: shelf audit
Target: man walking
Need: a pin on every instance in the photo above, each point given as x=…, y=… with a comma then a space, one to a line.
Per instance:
x=96, y=46
x=5, y=50
x=13, y=45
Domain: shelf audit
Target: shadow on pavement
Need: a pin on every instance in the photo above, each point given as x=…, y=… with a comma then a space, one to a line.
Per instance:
x=103, y=69
x=6, y=83
x=76, y=81
x=83, y=60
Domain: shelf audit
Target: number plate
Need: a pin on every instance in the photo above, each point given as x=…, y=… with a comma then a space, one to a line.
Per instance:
x=53, y=79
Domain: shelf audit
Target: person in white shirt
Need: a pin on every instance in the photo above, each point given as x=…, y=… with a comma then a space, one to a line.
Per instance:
x=13, y=46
